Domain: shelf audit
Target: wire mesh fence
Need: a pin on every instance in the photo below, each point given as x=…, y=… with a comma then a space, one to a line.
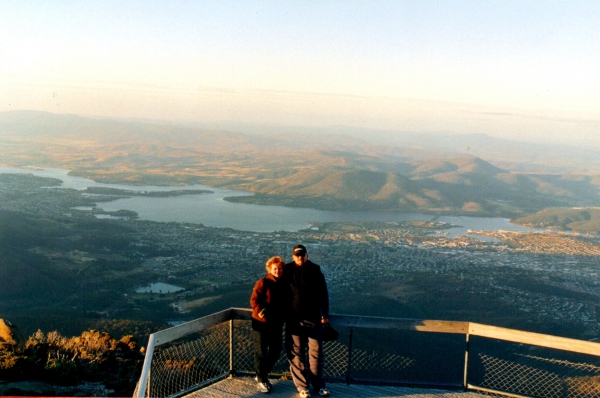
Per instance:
x=534, y=371
x=187, y=362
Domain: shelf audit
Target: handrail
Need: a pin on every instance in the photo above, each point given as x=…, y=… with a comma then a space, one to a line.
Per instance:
x=536, y=339
x=420, y=325
x=453, y=327
x=176, y=332
x=356, y=321
x=377, y=322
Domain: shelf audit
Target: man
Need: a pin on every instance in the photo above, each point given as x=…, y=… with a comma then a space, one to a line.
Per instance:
x=310, y=310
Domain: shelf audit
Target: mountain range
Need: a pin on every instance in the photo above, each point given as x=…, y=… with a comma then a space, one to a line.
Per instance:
x=341, y=169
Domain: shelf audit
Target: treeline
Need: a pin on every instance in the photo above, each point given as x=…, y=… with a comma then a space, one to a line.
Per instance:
x=70, y=325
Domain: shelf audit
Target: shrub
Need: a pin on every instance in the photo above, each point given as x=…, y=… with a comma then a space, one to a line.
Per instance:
x=92, y=356
x=62, y=371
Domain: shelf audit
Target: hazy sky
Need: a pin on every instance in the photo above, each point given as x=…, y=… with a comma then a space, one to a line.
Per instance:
x=507, y=68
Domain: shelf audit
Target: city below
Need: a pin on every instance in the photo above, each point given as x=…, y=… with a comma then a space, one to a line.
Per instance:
x=539, y=281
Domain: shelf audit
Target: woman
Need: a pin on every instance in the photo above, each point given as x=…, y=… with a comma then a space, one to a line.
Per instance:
x=268, y=301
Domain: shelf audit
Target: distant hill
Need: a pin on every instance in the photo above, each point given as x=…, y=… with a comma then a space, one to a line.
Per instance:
x=359, y=188
x=302, y=168
x=513, y=155
x=577, y=219
x=464, y=185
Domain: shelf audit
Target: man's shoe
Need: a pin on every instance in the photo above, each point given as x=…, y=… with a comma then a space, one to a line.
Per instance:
x=269, y=385
x=304, y=394
x=262, y=387
x=323, y=392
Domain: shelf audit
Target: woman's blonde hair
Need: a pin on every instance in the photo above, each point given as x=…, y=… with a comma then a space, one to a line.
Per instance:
x=274, y=260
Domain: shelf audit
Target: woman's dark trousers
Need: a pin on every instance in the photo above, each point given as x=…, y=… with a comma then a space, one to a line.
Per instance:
x=267, y=350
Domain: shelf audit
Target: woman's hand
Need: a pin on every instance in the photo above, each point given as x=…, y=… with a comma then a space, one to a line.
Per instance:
x=262, y=313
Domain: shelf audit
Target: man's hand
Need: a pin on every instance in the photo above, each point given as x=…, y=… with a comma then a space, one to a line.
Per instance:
x=324, y=320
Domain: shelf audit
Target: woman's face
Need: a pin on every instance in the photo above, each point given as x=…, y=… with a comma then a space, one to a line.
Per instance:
x=276, y=270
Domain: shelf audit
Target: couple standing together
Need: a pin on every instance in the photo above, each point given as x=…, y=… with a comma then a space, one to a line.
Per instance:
x=294, y=294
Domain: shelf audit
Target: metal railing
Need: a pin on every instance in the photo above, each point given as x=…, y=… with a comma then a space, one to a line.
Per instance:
x=377, y=350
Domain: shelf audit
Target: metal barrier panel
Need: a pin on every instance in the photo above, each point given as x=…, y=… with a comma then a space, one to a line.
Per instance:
x=403, y=356
x=180, y=365
x=522, y=369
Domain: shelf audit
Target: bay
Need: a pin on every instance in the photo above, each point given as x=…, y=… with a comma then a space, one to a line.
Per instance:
x=210, y=209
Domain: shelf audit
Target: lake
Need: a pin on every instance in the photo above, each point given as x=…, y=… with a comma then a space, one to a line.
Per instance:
x=158, y=288
x=212, y=210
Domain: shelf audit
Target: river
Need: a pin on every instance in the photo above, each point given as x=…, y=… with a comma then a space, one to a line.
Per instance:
x=212, y=210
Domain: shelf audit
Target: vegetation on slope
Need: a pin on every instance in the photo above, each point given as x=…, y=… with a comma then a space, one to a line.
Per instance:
x=92, y=356
x=573, y=219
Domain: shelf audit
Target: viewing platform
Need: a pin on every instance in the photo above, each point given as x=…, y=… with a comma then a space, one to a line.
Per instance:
x=246, y=387
x=375, y=357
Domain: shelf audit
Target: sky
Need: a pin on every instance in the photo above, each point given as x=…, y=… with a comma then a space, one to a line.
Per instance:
x=513, y=69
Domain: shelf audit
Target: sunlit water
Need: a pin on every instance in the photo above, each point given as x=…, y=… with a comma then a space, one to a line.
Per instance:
x=211, y=210
x=158, y=288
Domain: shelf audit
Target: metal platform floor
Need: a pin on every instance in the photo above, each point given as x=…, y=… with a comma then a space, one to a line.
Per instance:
x=246, y=387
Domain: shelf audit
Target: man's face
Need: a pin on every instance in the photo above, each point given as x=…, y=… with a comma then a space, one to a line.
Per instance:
x=300, y=260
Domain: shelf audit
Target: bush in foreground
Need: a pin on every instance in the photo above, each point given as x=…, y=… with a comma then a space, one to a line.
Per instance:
x=91, y=357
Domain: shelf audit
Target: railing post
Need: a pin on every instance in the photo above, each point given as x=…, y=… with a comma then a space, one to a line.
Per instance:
x=466, y=372
x=145, y=377
x=231, y=346
x=349, y=367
